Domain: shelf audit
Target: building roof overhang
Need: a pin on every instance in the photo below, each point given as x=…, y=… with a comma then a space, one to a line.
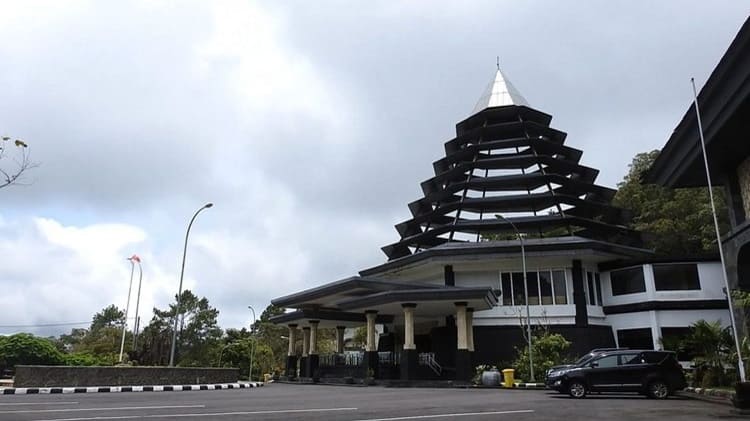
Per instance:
x=327, y=318
x=725, y=109
x=328, y=294
x=552, y=246
x=430, y=302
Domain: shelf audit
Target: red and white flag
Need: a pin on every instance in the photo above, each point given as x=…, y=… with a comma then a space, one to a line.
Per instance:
x=135, y=258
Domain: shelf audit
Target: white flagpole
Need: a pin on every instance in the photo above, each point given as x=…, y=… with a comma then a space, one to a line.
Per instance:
x=740, y=362
x=127, y=307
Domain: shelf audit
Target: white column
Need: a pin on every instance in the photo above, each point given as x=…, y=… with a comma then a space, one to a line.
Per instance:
x=313, y=336
x=461, y=326
x=655, y=329
x=371, y=316
x=292, y=340
x=305, y=341
x=340, y=339
x=470, y=329
x=409, y=326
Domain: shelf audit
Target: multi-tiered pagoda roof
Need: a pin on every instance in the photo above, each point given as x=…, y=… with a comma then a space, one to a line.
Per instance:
x=508, y=172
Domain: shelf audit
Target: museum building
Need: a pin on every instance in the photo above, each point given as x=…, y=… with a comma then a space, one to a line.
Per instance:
x=511, y=227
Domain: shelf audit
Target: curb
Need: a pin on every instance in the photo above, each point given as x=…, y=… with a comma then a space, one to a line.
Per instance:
x=719, y=396
x=117, y=389
x=528, y=386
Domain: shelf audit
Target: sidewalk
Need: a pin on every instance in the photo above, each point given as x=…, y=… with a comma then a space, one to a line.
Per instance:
x=116, y=389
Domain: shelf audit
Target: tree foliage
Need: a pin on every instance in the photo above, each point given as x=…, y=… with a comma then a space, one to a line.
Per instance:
x=100, y=343
x=198, y=333
x=549, y=349
x=674, y=221
x=27, y=349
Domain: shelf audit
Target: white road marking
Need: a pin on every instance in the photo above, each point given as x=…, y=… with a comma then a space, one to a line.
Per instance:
x=460, y=414
x=204, y=415
x=121, y=408
x=39, y=403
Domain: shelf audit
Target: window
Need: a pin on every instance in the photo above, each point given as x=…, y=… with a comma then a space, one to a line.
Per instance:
x=633, y=358
x=561, y=291
x=606, y=362
x=545, y=284
x=545, y=287
x=591, y=294
x=519, y=292
x=672, y=277
x=507, y=291
x=627, y=281
x=635, y=338
x=598, y=288
x=533, y=283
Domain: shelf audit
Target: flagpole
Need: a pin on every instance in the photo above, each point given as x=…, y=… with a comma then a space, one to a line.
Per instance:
x=137, y=300
x=127, y=307
x=741, y=364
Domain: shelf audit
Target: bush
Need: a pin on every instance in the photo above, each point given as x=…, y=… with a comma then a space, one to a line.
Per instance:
x=82, y=359
x=27, y=349
x=549, y=349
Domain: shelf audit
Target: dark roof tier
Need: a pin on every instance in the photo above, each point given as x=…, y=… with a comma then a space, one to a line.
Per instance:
x=507, y=170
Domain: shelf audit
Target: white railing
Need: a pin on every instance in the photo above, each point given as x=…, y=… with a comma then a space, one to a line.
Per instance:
x=428, y=359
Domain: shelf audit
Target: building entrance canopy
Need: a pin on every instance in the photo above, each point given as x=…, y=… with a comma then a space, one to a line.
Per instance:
x=345, y=302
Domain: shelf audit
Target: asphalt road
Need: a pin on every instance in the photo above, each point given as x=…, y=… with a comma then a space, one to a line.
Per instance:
x=319, y=402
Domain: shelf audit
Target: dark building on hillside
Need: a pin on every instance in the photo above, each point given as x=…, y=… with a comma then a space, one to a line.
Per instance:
x=510, y=223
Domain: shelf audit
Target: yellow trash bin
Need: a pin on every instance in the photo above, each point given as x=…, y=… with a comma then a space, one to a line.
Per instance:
x=508, y=377
x=266, y=377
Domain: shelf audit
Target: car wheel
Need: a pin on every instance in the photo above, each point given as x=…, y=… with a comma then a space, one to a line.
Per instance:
x=577, y=389
x=657, y=389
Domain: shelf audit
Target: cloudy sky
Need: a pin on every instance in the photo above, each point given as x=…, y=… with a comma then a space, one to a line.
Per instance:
x=309, y=124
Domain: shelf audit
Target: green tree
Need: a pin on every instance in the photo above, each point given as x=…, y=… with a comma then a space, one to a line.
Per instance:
x=27, y=349
x=199, y=334
x=110, y=316
x=100, y=342
x=273, y=337
x=549, y=349
x=674, y=221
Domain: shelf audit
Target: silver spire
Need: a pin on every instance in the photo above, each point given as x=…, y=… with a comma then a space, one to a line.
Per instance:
x=499, y=92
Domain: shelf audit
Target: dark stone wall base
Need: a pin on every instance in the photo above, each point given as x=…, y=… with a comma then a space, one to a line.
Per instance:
x=291, y=366
x=303, y=367
x=371, y=363
x=742, y=395
x=313, y=360
x=497, y=344
x=464, y=369
x=409, y=364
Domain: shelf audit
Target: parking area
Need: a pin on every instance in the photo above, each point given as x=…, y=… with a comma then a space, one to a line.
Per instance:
x=320, y=402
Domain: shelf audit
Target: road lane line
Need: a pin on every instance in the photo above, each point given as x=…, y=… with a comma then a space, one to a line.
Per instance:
x=456, y=415
x=39, y=403
x=202, y=415
x=121, y=408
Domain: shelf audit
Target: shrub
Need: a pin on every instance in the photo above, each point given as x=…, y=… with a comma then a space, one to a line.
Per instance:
x=82, y=359
x=27, y=349
x=548, y=349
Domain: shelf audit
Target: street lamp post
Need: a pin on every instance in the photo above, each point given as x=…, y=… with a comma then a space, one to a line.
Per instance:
x=526, y=292
x=179, y=291
x=252, y=345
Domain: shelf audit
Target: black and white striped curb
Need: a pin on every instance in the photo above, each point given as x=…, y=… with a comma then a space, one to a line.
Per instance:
x=529, y=385
x=115, y=389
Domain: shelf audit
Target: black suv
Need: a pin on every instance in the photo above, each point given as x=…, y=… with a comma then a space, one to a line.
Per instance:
x=656, y=374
